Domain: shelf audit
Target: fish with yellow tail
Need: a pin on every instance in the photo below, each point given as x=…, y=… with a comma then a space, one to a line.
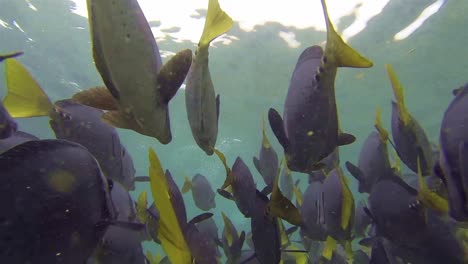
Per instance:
x=309, y=129
x=201, y=102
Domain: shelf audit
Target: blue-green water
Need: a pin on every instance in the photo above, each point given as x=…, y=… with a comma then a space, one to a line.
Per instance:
x=251, y=75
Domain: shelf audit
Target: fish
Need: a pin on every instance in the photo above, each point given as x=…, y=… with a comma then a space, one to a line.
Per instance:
x=201, y=103
x=240, y=180
x=309, y=130
x=267, y=161
x=120, y=245
x=138, y=87
x=202, y=193
x=209, y=228
x=8, y=125
x=83, y=124
x=170, y=231
x=15, y=139
x=69, y=121
x=265, y=233
x=56, y=201
x=202, y=247
x=452, y=165
x=409, y=137
x=231, y=241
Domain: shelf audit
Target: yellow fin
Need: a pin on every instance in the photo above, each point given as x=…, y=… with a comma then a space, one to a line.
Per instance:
x=229, y=177
x=141, y=205
x=217, y=23
x=430, y=198
x=97, y=97
x=399, y=94
x=397, y=163
x=378, y=125
x=344, y=55
x=280, y=206
x=329, y=248
x=347, y=205
x=284, y=237
x=170, y=233
x=25, y=98
x=228, y=232
x=187, y=185
x=348, y=247
x=265, y=141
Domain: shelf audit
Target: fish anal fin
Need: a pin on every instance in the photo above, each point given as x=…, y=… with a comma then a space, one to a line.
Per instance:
x=345, y=139
x=276, y=124
x=173, y=73
x=97, y=97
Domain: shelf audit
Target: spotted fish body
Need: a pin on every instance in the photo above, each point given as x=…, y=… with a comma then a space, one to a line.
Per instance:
x=56, y=203
x=128, y=59
x=454, y=154
x=83, y=124
x=309, y=130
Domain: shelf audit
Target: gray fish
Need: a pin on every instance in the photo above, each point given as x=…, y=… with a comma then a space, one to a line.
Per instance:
x=127, y=57
x=8, y=125
x=243, y=187
x=396, y=211
x=373, y=163
x=310, y=130
x=120, y=245
x=265, y=233
x=82, y=124
x=454, y=154
x=409, y=137
x=267, y=162
x=15, y=139
x=231, y=241
x=202, y=247
x=200, y=100
x=209, y=228
x=312, y=213
x=202, y=193
x=56, y=203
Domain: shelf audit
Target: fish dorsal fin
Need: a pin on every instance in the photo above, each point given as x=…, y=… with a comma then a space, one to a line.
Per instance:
x=344, y=55
x=398, y=92
x=217, y=23
x=173, y=73
x=277, y=125
x=97, y=97
x=24, y=98
x=170, y=233
x=187, y=185
x=229, y=176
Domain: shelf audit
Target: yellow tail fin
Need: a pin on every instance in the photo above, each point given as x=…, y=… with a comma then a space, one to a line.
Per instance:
x=430, y=198
x=25, y=98
x=399, y=94
x=229, y=177
x=378, y=125
x=187, y=185
x=265, y=141
x=347, y=205
x=228, y=232
x=345, y=56
x=217, y=23
x=170, y=233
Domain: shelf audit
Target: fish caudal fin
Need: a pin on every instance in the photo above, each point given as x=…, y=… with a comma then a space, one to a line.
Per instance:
x=345, y=55
x=347, y=205
x=217, y=23
x=25, y=98
x=399, y=94
x=187, y=185
x=229, y=177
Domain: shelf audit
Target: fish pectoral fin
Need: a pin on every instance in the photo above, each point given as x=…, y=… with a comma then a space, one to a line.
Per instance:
x=10, y=55
x=329, y=248
x=120, y=120
x=345, y=139
x=97, y=97
x=217, y=106
x=277, y=125
x=24, y=98
x=173, y=73
x=355, y=171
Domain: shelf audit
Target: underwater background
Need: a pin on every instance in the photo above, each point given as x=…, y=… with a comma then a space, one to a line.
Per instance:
x=251, y=69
